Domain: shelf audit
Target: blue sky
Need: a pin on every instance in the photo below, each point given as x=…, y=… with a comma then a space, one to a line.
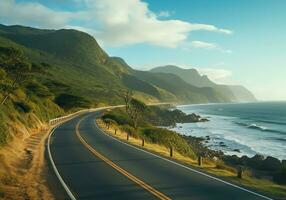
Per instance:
x=234, y=42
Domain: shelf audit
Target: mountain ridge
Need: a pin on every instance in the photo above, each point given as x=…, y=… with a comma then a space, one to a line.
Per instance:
x=192, y=76
x=78, y=61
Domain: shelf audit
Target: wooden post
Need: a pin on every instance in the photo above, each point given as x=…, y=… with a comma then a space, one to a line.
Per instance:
x=143, y=142
x=127, y=137
x=240, y=172
x=200, y=161
x=115, y=131
x=171, y=151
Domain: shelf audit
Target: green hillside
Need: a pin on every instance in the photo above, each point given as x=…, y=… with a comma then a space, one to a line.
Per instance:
x=192, y=76
x=78, y=61
x=183, y=91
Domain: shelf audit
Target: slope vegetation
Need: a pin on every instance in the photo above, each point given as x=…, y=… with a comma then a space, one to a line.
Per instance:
x=192, y=76
x=78, y=62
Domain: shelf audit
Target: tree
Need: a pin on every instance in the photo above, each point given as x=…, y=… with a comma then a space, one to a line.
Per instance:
x=135, y=110
x=17, y=70
x=126, y=95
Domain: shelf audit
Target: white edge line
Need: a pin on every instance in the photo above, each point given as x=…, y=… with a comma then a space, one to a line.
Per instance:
x=66, y=188
x=68, y=191
x=188, y=168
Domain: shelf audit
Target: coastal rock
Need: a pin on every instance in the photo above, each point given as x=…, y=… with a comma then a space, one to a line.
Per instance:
x=272, y=163
x=222, y=144
x=197, y=118
x=237, y=150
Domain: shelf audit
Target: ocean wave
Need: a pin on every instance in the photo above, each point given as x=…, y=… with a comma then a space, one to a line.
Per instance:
x=280, y=139
x=259, y=127
x=255, y=126
x=272, y=122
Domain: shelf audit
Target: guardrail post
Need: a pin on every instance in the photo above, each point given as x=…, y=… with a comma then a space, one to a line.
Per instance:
x=171, y=151
x=115, y=131
x=127, y=137
x=143, y=142
x=200, y=160
x=240, y=172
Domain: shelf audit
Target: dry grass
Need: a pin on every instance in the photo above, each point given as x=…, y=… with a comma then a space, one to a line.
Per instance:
x=216, y=168
x=22, y=165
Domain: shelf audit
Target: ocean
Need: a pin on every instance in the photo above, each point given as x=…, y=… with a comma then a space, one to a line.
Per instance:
x=240, y=128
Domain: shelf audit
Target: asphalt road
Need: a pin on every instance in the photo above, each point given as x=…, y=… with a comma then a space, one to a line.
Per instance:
x=113, y=170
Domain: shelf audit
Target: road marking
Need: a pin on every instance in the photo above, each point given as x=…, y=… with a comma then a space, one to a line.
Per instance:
x=119, y=169
x=68, y=191
x=188, y=168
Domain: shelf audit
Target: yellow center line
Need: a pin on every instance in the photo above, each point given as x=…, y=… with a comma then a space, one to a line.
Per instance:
x=119, y=169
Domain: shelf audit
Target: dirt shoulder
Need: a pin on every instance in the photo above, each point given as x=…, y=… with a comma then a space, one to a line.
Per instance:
x=24, y=171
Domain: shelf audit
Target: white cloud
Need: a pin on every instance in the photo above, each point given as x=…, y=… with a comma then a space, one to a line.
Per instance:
x=131, y=22
x=217, y=75
x=203, y=45
x=33, y=14
x=113, y=22
x=206, y=45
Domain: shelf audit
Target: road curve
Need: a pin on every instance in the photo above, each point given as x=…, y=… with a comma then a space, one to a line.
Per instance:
x=94, y=165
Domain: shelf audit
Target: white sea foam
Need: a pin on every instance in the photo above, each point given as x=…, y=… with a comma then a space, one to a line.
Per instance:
x=245, y=133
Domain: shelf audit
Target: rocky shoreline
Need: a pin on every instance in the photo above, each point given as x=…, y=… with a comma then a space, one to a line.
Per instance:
x=258, y=166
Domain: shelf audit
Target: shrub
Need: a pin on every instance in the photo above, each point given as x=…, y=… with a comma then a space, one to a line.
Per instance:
x=3, y=130
x=38, y=89
x=68, y=101
x=168, y=138
x=22, y=107
x=117, y=115
x=130, y=130
x=281, y=176
x=2, y=194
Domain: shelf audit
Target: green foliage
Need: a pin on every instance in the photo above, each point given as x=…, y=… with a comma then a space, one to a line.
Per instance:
x=3, y=129
x=109, y=121
x=2, y=194
x=135, y=111
x=168, y=138
x=36, y=88
x=130, y=130
x=147, y=130
x=75, y=59
x=136, y=84
x=280, y=177
x=19, y=82
x=22, y=107
x=68, y=101
x=119, y=116
x=17, y=69
x=14, y=63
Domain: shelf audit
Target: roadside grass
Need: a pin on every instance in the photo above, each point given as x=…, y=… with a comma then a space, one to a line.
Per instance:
x=218, y=169
x=2, y=194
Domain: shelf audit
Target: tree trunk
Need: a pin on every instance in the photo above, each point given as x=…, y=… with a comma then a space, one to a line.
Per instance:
x=7, y=96
x=4, y=99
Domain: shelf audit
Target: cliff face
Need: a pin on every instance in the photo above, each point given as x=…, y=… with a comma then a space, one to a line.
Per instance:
x=232, y=93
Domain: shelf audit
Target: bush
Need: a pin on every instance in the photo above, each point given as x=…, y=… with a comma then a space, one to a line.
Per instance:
x=281, y=176
x=109, y=121
x=118, y=116
x=271, y=163
x=2, y=194
x=38, y=89
x=22, y=107
x=130, y=130
x=68, y=101
x=168, y=138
